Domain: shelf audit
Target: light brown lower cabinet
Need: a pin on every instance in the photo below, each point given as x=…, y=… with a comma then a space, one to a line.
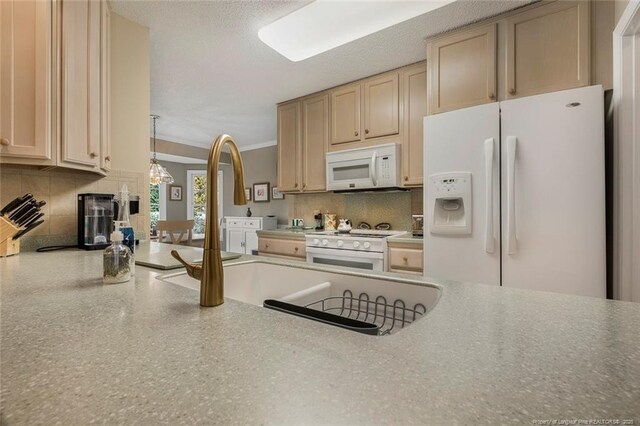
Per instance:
x=406, y=258
x=282, y=247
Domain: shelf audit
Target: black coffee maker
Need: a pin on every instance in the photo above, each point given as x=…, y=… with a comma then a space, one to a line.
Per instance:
x=95, y=220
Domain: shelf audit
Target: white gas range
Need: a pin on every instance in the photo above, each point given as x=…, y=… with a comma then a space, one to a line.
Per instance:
x=363, y=249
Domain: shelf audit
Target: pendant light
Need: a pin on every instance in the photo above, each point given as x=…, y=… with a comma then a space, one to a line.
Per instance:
x=157, y=173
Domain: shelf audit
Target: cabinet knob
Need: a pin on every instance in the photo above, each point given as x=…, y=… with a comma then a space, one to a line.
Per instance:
x=405, y=259
x=406, y=178
x=295, y=186
x=304, y=185
x=366, y=131
x=492, y=95
x=296, y=249
x=5, y=142
x=512, y=91
x=93, y=155
x=266, y=246
x=356, y=133
x=107, y=158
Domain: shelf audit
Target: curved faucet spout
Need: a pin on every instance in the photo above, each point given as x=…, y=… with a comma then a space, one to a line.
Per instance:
x=210, y=273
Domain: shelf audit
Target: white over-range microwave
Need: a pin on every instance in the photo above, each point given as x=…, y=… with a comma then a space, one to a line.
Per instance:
x=373, y=167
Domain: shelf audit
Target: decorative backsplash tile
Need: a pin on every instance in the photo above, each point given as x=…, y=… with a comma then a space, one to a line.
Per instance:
x=395, y=208
x=59, y=188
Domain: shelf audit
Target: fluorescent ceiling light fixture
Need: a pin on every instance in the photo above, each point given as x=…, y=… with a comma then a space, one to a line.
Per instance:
x=326, y=24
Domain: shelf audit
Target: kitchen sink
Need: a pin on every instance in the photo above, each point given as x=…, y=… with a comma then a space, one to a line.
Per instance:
x=376, y=306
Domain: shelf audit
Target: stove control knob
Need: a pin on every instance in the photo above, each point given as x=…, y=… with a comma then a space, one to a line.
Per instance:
x=367, y=246
x=356, y=244
x=339, y=243
x=325, y=242
x=316, y=242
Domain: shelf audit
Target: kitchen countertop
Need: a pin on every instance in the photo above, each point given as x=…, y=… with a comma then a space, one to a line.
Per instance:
x=289, y=233
x=75, y=351
x=407, y=238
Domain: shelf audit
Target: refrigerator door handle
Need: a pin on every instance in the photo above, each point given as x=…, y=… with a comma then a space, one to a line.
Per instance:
x=512, y=243
x=489, y=237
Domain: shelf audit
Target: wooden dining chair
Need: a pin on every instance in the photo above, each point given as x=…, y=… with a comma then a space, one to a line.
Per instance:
x=176, y=230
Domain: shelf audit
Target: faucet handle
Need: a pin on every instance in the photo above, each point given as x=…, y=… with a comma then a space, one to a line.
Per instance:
x=194, y=270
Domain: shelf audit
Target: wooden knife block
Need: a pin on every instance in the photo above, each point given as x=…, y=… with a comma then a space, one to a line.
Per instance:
x=8, y=246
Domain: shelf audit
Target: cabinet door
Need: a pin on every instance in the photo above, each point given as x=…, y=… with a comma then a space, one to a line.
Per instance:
x=289, y=147
x=315, y=140
x=345, y=114
x=381, y=106
x=462, y=69
x=105, y=64
x=250, y=241
x=25, y=80
x=547, y=49
x=80, y=90
x=414, y=83
x=235, y=240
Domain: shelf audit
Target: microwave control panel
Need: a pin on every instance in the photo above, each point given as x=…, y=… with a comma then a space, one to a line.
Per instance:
x=384, y=167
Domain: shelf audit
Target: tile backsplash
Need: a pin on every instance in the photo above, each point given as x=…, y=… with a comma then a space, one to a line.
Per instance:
x=59, y=188
x=395, y=208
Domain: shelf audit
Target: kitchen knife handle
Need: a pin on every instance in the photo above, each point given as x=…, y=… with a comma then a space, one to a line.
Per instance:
x=489, y=238
x=30, y=228
x=512, y=242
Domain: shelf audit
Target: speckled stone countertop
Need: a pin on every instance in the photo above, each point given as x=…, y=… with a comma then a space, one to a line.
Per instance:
x=283, y=232
x=407, y=238
x=75, y=351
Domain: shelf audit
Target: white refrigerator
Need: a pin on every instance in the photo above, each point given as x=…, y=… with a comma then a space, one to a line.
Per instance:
x=515, y=193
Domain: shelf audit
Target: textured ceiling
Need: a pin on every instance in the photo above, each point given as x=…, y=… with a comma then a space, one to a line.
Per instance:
x=211, y=74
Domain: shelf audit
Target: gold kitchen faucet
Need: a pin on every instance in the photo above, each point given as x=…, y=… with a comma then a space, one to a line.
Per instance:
x=210, y=273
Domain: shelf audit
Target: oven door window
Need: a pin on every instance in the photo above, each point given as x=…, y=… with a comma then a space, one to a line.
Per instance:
x=342, y=262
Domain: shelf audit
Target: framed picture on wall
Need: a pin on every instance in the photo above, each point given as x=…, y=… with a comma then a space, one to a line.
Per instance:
x=247, y=193
x=175, y=193
x=261, y=192
x=275, y=194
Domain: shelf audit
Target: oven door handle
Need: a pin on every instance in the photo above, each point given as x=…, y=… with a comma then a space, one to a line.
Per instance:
x=336, y=253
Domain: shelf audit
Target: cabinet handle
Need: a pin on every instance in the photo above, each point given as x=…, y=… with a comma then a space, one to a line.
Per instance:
x=492, y=96
x=93, y=155
x=356, y=133
x=512, y=91
x=5, y=142
x=366, y=131
x=107, y=158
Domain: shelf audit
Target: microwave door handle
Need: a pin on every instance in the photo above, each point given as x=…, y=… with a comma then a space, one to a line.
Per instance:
x=374, y=173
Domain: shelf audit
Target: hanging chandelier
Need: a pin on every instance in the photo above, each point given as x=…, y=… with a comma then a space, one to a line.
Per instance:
x=157, y=173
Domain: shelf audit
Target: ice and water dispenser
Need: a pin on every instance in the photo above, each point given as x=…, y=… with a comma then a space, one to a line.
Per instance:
x=450, y=203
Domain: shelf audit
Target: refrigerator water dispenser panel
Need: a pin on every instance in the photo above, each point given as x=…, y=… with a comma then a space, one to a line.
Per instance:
x=451, y=204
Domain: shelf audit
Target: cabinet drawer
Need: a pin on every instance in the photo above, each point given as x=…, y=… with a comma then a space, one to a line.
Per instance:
x=405, y=259
x=234, y=223
x=252, y=223
x=282, y=247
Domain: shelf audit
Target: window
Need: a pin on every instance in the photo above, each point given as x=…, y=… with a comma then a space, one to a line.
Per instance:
x=157, y=204
x=197, y=199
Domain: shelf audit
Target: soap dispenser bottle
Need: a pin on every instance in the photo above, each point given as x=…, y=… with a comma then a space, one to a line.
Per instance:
x=117, y=260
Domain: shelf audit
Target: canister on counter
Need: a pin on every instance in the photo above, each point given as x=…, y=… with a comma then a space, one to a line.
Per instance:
x=330, y=222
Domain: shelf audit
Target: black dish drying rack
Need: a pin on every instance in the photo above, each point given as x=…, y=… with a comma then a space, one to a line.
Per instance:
x=362, y=314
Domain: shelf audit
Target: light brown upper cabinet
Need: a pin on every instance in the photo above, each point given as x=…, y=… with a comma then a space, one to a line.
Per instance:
x=345, y=114
x=547, y=49
x=414, y=84
x=25, y=82
x=303, y=138
x=462, y=69
x=381, y=106
x=315, y=141
x=54, y=84
x=80, y=84
x=289, y=127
